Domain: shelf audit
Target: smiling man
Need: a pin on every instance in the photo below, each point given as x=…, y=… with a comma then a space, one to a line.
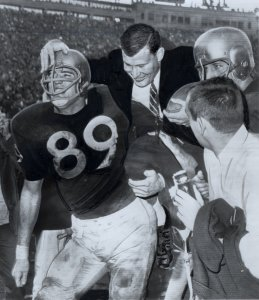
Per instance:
x=143, y=66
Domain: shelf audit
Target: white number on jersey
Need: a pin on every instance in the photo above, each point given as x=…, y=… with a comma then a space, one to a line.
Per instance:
x=102, y=146
x=71, y=150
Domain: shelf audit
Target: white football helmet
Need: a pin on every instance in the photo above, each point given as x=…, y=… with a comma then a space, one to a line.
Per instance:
x=223, y=51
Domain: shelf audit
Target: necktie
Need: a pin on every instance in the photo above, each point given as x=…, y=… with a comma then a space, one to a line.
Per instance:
x=154, y=106
x=153, y=101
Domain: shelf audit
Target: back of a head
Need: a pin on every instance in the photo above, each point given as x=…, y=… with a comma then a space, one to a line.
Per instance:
x=137, y=36
x=227, y=44
x=219, y=101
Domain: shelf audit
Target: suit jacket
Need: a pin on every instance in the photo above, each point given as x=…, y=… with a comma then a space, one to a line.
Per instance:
x=177, y=69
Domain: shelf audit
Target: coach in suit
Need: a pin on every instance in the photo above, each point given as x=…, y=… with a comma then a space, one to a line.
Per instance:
x=139, y=61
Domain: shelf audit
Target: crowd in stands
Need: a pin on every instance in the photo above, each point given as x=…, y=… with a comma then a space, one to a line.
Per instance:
x=180, y=36
x=23, y=34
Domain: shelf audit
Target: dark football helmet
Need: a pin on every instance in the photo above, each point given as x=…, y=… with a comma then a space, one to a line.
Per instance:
x=222, y=51
x=71, y=69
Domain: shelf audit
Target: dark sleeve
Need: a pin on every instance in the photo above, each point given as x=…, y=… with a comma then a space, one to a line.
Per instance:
x=30, y=156
x=177, y=70
x=185, y=58
x=182, y=132
x=11, y=151
x=32, y=164
x=104, y=69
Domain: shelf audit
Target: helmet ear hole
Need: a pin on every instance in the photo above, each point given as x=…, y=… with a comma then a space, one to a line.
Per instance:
x=240, y=61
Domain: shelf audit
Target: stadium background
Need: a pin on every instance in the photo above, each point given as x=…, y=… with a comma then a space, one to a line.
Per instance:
x=94, y=28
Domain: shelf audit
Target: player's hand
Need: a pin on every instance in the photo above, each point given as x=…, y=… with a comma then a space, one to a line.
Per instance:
x=20, y=271
x=151, y=185
x=47, y=53
x=201, y=184
x=175, y=112
x=188, y=206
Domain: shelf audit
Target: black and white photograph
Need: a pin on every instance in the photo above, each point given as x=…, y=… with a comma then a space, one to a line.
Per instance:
x=129, y=149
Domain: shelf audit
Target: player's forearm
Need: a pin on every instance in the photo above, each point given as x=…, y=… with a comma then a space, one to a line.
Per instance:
x=249, y=250
x=29, y=208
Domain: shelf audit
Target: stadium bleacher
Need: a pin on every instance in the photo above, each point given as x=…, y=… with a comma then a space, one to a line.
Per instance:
x=23, y=33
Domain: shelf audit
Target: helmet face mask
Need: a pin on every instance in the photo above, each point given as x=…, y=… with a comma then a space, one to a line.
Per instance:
x=213, y=68
x=68, y=78
x=57, y=80
x=224, y=51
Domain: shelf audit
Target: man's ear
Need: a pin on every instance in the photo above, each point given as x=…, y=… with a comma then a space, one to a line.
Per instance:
x=160, y=54
x=202, y=125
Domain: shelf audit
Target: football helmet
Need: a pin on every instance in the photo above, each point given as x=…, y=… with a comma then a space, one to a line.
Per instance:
x=222, y=51
x=71, y=69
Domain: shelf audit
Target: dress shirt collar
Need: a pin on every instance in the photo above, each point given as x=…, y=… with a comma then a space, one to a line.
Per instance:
x=157, y=80
x=234, y=146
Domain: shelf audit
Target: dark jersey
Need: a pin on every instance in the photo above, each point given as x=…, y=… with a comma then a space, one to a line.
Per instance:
x=83, y=152
x=147, y=152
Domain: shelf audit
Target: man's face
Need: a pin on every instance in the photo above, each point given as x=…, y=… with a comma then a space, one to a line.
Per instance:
x=211, y=56
x=215, y=69
x=143, y=66
x=62, y=79
x=196, y=130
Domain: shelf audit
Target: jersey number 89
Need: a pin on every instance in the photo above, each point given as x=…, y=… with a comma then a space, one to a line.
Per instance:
x=71, y=150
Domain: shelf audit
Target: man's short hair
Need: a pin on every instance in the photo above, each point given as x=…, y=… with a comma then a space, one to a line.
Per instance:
x=219, y=101
x=137, y=36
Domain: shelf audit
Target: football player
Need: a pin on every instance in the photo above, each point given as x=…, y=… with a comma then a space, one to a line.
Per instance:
x=79, y=140
x=222, y=52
